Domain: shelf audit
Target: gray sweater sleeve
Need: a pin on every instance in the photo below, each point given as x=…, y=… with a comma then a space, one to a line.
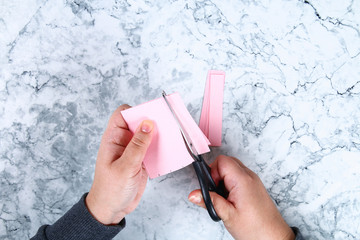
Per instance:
x=78, y=224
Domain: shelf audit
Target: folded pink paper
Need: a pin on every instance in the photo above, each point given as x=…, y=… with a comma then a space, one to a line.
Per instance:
x=211, y=113
x=167, y=152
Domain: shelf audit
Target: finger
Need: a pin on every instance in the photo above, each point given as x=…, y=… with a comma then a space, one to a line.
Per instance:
x=143, y=181
x=228, y=169
x=248, y=170
x=117, y=137
x=215, y=173
x=225, y=165
x=140, y=190
x=217, y=167
x=113, y=144
x=196, y=198
x=116, y=120
x=224, y=156
x=135, y=151
x=238, y=162
x=214, y=169
x=222, y=207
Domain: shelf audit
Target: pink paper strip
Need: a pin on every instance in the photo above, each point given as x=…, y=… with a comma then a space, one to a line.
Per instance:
x=211, y=113
x=201, y=143
x=167, y=152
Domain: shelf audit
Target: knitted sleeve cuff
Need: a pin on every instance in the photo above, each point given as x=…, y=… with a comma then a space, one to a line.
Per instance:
x=79, y=224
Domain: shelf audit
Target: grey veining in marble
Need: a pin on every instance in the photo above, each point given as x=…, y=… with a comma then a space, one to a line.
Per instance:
x=291, y=105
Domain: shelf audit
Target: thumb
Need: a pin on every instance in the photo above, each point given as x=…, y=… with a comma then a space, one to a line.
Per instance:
x=135, y=151
x=222, y=207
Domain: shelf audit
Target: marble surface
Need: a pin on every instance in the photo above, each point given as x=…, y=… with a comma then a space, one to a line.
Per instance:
x=291, y=107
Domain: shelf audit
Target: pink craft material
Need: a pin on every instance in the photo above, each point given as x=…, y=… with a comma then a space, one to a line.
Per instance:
x=167, y=152
x=211, y=113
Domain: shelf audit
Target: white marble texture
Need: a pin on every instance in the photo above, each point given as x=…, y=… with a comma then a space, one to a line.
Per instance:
x=291, y=107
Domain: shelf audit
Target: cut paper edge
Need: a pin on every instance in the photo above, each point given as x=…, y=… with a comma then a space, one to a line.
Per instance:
x=198, y=138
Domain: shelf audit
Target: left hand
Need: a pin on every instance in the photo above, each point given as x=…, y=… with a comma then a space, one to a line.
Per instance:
x=120, y=177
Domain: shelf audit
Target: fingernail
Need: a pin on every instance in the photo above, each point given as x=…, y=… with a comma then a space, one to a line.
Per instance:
x=147, y=126
x=195, y=199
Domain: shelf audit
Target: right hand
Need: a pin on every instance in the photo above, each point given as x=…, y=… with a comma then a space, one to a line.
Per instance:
x=248, y=212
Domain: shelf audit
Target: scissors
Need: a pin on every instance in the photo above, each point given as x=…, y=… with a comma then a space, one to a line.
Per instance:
x=202, y=169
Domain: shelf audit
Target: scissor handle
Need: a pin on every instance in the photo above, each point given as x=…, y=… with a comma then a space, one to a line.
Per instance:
x=203, y=172
x=204, y=186
x=220, y=188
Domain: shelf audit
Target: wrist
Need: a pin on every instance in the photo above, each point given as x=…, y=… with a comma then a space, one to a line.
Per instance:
x=290, y=234
x=101, y=213
x=278, y=229
x=285, y=233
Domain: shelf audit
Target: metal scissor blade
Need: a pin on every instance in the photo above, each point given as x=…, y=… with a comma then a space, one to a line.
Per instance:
x=189, y=145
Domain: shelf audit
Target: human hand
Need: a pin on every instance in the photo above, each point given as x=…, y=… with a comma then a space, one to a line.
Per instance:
x=248, y=212
x=120, y=177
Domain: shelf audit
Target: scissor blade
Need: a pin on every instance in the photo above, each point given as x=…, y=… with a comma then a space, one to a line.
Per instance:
x=189, y=145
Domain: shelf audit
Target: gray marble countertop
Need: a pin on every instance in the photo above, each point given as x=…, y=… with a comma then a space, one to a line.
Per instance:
x=291, y=105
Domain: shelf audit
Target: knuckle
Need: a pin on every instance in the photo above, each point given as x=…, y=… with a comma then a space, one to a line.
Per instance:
x=115, y=140
x=249, y=180
x=138, y=142
x=124, y=106
x=221, y=158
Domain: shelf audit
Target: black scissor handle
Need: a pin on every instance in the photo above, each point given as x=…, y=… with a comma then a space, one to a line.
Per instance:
x=220, y=188
x=203, y=172
x=204, y=186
